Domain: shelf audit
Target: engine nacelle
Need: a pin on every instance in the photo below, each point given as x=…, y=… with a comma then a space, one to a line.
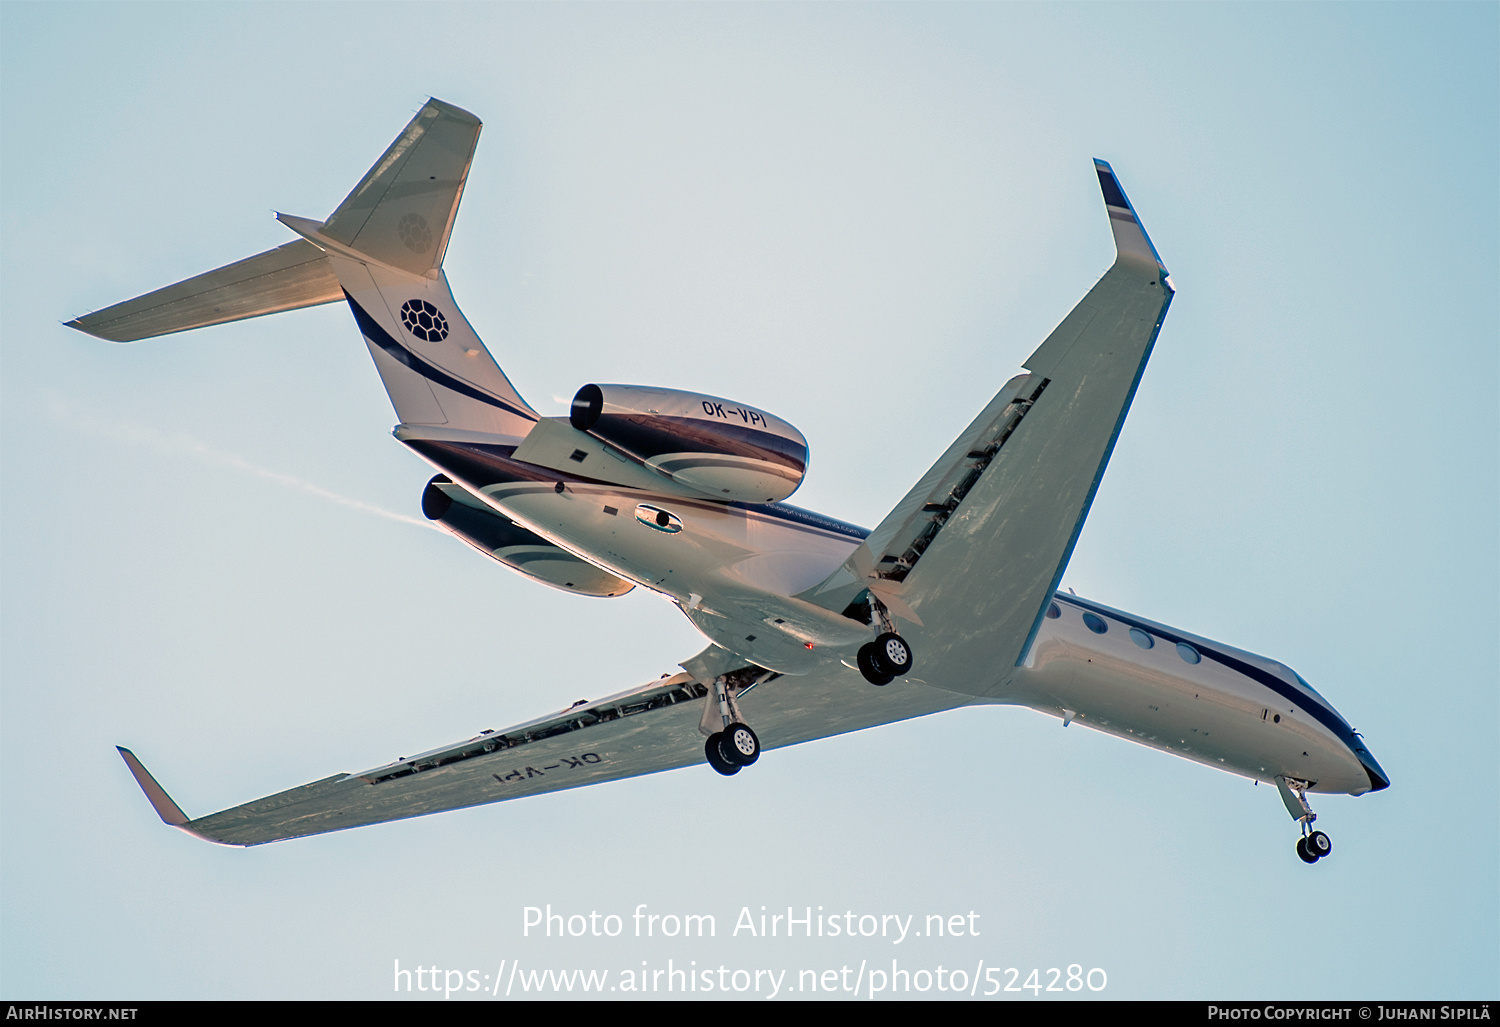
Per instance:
x=722, y=449
x=518, y=548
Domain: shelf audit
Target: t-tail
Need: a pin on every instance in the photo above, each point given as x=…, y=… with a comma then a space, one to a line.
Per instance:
x=381, y=251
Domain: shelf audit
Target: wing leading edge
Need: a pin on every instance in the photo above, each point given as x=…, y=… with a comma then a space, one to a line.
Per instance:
x=971, y=556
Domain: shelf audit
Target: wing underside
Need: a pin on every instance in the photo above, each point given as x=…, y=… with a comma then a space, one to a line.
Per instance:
x=648, y=729
x=974, y=552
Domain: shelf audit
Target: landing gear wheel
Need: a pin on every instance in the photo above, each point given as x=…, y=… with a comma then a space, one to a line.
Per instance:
x=866, y=660
x=716, y=758
x=891, y=654
x=1306, y=854
x=1319, y=844
x=739, y=746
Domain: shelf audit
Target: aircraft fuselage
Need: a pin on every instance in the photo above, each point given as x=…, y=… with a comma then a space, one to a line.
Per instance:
x=735, y=570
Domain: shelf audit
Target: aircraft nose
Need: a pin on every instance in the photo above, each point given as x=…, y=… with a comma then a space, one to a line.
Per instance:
x=1378, y=780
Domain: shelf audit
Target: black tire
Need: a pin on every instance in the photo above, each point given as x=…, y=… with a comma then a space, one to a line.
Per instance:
x=716, y=758
x=1306, y=854
x=1319, y=844
x=866, y=660
x=891, y=655
x=739, y=745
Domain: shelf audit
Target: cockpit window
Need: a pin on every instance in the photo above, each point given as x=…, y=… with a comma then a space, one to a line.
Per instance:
x=1305, y=685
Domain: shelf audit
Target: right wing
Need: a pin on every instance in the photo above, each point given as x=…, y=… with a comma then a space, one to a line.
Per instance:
x=972, y=555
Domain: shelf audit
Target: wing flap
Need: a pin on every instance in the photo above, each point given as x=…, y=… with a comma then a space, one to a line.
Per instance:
x=892, y=549
x=287, y=278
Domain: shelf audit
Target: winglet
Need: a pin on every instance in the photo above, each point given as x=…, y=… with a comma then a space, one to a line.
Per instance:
x=1130, y=235
x=155, y=793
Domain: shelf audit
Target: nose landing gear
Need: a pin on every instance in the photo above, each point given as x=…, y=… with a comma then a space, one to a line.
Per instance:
x=1313, y=845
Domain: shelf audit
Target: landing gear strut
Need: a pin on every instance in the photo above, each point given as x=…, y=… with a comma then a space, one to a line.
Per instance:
x=731, y=744
x=1313, y=845
x=889, y=656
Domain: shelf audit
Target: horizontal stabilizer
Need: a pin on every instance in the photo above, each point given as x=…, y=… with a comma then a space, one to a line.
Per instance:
x=286, y=278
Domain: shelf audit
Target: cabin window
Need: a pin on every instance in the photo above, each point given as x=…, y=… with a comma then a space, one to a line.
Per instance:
x=1053, y=611
x=655, y=517
x=1188, y=653
x=1141, y=639
x=1095, y=624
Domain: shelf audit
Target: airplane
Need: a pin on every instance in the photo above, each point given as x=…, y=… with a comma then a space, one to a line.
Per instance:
x=815, y=627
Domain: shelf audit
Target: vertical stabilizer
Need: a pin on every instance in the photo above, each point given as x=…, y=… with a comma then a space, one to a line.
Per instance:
x=382, y=251
x=402, y=211
x=385, y=243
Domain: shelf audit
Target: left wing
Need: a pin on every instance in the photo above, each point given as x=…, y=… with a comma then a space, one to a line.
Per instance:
x=642, y=731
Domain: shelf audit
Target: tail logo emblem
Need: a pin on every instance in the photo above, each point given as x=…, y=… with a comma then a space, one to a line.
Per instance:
x=413, y=230
x=424, y=320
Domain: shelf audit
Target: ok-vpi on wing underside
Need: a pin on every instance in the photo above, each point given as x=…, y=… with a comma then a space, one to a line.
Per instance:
x=952, y=600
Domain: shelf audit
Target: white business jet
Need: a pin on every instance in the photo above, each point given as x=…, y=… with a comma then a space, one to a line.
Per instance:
x=815, y=627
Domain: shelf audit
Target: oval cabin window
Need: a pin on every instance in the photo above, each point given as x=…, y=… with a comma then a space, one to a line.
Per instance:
x=657, y=518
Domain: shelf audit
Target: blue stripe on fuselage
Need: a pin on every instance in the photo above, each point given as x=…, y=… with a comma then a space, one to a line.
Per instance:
x=1323, y=714
x=1309, y=700
x=382, y=338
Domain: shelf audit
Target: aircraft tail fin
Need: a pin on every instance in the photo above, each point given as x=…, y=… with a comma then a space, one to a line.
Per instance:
x=381, y=250
x=385, y=244
x=402, y=211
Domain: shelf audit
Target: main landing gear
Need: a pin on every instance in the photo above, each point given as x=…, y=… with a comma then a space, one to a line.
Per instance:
x=731, y=749
x=731, y=745
x=1313, y=845
x=889, y=656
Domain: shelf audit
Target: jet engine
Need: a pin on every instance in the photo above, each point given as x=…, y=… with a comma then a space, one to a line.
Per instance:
x=722, y=449
x=518, y=548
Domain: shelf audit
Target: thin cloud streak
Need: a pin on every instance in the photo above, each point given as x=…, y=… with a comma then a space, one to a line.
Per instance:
x=59, y=409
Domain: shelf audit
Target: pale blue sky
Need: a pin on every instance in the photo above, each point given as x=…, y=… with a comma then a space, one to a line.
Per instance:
x=861, y=218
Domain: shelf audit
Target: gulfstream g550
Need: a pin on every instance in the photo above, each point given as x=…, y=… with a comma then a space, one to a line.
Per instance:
x=815, y=627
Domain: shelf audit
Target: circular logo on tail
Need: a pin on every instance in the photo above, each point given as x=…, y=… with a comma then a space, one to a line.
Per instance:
x=413, y=230
x=424, y=320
